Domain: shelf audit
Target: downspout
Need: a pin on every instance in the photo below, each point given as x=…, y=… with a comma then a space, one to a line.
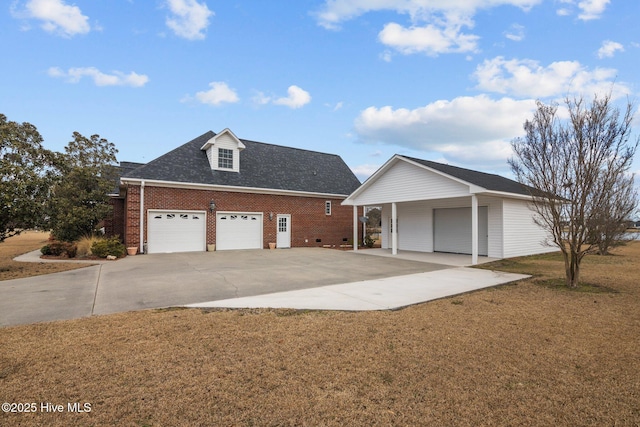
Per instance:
x=142, y=217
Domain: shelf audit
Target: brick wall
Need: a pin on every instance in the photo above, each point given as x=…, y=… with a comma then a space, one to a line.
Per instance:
x=308, y=220
x=114, y=225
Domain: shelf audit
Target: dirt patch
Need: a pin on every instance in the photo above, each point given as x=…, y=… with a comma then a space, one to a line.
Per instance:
x=516, y=355
x=21, y=244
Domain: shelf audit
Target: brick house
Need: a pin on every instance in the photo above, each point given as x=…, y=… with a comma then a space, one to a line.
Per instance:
x=236, y=194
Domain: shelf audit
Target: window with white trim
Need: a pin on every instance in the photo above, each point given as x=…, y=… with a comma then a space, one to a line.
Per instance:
x=327, y=207
x=225, y=158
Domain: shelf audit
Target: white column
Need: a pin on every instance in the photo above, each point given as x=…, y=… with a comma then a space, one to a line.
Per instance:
x=394, y=229
x=364, y=225
x=355, y=228
x=474, y=229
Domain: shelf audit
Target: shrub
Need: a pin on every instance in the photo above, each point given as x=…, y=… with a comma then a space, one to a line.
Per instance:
x=368, y=241
x=84, y=245
x=57, y=248
x=71, y=250
x=105, y=247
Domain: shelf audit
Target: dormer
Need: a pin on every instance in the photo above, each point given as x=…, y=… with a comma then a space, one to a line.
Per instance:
x=223, y=151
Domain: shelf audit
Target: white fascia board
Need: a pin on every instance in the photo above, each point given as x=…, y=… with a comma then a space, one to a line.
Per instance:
x=395, y=159
x=234, y=189
x=504, y=194
x=213, y=140
x=349, y=201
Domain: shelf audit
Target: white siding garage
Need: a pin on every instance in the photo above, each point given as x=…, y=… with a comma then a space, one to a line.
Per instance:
x=176, y=231
x=238, y=230
x=432, y=205
x=452, y=230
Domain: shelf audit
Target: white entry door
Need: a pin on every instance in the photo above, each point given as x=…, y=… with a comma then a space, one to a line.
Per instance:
x=284, y=231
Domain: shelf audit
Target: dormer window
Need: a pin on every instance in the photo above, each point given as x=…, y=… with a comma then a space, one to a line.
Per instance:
x=225, y=158
x=223, y=151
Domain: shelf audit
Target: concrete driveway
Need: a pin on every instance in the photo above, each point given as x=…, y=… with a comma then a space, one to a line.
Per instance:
x=162, y=280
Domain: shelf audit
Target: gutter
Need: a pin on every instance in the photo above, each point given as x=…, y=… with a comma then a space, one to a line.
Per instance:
x=230, y=188
x=142, y=217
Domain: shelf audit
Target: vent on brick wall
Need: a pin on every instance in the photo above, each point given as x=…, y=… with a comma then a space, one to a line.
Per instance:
x=345, y=239
x=318, y=240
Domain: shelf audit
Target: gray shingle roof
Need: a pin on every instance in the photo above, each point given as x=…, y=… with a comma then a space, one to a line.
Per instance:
x=489, y=181
x=262, y=165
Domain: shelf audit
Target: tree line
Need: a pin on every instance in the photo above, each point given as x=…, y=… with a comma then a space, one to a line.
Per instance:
x=67, y=193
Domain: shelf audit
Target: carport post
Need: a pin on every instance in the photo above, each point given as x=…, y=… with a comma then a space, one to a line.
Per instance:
x=394, y=229
x=355, y=227
x=474, y=229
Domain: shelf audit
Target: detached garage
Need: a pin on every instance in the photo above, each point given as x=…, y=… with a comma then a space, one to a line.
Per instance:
x=432, y=207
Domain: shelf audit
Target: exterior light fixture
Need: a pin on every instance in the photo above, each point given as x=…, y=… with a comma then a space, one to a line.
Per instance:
x=270, y=216
x=212, y=206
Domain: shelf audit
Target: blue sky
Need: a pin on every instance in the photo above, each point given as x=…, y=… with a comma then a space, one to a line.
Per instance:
x=444, y=80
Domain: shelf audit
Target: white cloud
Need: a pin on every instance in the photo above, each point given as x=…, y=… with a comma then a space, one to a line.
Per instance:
x=296, y=98
x=588, y=9
x=364, y=171
x=592, y=9
x=261, y=99
x=609, y=48
x=117, y=78
x=429, y=39
x=527, y=78
x=56, y=16
x=334, y=12
x=436, y=25
x=515, y=33
x=218, y=93
x=468, y=129
x=386, y=56
x=189, y=18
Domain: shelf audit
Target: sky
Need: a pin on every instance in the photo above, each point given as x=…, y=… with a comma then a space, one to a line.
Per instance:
x=445, y=80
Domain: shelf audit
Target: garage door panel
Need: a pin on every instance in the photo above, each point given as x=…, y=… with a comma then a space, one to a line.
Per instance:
x=176, y=231
x=452, y=230
x=238, y=230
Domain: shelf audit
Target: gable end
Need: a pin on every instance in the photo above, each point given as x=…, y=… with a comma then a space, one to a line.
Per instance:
x=223, y=151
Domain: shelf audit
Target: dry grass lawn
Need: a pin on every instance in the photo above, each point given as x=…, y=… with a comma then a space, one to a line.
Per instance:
x=525, y=354
x=21, y=244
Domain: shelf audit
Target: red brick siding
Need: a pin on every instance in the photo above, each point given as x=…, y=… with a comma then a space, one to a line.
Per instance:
x=308, y=219
x=114, y=225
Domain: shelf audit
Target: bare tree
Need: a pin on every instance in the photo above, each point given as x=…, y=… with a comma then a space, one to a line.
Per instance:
x=609, y=227
x=579, y=169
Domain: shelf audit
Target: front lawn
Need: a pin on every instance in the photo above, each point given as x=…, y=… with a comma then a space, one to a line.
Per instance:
x=520, y=355
x=21, y=244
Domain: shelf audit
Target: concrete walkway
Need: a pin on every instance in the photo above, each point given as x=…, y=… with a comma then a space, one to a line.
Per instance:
x=380, y=294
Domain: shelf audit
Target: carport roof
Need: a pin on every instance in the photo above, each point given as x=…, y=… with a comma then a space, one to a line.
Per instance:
x=262, y=166
x=478, y=182
x=488, y=181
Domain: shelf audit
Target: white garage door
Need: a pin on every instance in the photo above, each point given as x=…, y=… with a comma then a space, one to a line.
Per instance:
x=238, y=230
x=176, y=231
x=452, y=230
